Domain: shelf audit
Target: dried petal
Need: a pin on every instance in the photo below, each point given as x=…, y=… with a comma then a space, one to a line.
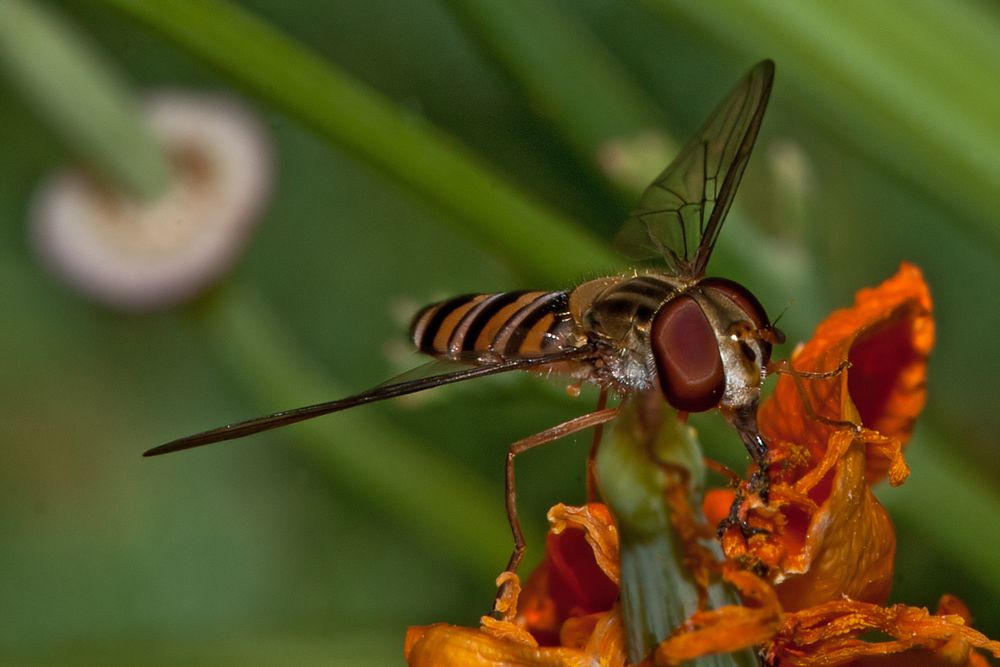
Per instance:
x=828, y=635
x=826, y=536
x=443, y=645
x=597, y=526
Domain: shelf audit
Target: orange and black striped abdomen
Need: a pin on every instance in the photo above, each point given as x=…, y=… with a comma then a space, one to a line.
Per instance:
x=511, y=324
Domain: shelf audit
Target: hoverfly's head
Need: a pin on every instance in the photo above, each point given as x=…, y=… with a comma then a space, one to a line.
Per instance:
x=711, y=346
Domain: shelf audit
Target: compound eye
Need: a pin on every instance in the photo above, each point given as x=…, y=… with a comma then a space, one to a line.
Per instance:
x=687, y=356
x=750, y=307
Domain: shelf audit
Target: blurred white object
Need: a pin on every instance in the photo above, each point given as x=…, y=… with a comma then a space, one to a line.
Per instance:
x=632, y=162
x=146, y=255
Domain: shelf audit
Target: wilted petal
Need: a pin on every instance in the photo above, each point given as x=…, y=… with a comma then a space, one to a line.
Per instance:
x=829, y=635
x=825, y=535
x=566, y=615
x=596, y=640
x=605, y=641
x=598, y=529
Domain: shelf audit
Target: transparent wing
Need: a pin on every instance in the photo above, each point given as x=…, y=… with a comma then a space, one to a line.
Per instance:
x=679, y=215
x=432, y=374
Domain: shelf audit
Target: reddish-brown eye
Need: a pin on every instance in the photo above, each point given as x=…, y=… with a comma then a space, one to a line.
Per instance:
x=687, y=356
x=750, y=306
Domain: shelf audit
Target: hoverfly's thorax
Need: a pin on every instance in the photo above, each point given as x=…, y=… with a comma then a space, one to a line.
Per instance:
x=625, y=307
x=617, y=313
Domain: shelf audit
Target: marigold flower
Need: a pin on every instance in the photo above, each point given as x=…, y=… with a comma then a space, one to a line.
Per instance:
x=813, y=583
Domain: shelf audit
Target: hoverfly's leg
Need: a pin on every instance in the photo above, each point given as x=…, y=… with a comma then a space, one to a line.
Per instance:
x=785, y=368
x=592, y=492
x=733, y=477
x=549, y=435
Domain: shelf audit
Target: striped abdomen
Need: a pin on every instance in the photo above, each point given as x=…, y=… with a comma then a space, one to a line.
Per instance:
x=510, y=324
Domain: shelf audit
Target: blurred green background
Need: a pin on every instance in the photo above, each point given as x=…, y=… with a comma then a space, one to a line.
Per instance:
x=430, y=149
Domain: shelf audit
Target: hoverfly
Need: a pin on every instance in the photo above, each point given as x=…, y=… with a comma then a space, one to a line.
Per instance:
x=704, y=342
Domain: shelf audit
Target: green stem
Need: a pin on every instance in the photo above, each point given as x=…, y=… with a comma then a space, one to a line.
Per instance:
x=658, y=590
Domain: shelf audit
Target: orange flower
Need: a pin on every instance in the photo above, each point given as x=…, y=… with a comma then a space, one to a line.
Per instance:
x=812, y=584
x=827, y=535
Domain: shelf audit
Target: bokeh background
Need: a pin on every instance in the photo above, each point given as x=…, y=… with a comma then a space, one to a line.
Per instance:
x=429, y=149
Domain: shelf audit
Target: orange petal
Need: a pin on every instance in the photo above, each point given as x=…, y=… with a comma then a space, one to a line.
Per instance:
x=580, y=571
x=597, y=641
x=443, y=645
x=536, y=610
x=716, y=505
x=599, y=529
x=579, y=575
x=607, y=642
x=827, y=536
x=599, y=635
x=887, y=336
x=849, y=542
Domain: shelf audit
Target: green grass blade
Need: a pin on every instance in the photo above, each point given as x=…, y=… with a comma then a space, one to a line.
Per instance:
x=566, y=74
x=348, y=114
